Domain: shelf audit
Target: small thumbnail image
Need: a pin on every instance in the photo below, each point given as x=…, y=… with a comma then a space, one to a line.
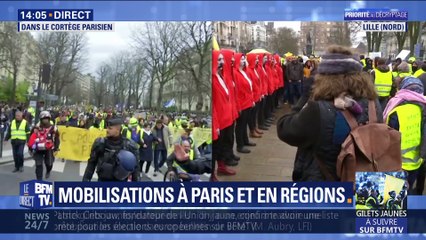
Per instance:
x=381, y=190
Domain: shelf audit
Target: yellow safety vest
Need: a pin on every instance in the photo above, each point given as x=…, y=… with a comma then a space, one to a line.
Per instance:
x=363, y=62
x=383, y=83
x=102, y=124
x=191, y=157
x=128, y=132
x=178, y=122
x=18, y=133
x=410, y=66
x=418, y=73
x=410, y=125
x=395, y=74
x=31, y=111
x=369, y=206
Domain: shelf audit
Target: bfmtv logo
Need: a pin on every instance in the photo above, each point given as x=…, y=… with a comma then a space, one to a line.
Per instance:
x=36, y=194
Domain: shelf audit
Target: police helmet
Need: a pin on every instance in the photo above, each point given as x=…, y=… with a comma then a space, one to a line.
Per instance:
x=45, y=114
x=126, y=164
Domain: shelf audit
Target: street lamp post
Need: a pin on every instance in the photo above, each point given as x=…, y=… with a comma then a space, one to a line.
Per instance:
x=36, y=117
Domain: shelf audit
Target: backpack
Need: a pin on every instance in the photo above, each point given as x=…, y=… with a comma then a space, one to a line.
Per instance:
x=373, y=147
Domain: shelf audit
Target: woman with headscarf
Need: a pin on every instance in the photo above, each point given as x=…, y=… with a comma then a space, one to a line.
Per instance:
x=405, y=113
x=319, y=128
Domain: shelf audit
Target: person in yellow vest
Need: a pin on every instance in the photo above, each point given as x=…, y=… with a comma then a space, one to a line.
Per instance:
x=419, y=71
x=186, y=163
x=100, y=122
x=411, y=60
x=422, y=76
x=19, y=133
x=362, y=60
x=125, y=127
x=372, y=202
x=405, y=114
x=383, y=80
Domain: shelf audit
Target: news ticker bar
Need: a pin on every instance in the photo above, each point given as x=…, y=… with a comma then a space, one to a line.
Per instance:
x=41, y=194
x=206, y=221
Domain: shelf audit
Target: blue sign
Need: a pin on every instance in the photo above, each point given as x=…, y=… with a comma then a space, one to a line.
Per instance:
x=204, y=194
x=381, y=225
x=375, y=15
x=36, y=194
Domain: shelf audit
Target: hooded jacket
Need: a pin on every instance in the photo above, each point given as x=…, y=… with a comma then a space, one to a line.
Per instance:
x=264, y=78
x=254, y=74
x=279, y=70
x=244, y=86
x=222, y=104
x=272, y=75
x=228, y=74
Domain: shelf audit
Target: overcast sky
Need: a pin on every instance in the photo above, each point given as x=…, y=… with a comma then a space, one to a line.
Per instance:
x=102, y=46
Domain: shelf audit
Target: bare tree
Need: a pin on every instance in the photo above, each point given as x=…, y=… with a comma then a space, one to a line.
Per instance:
x=12, y=45
x=374, y=40
x=64, y=51
x=195, y=57
x=414, y=30
x=100, y=86
x=341, y=35
x=400, y=39
x=284, y=40
x=158, y=41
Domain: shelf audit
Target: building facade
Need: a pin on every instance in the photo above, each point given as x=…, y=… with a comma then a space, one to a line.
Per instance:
x=239, y=35
x=323, y=34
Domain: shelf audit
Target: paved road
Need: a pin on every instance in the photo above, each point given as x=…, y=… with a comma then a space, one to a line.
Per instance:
x=62, y=171
x=270, y=160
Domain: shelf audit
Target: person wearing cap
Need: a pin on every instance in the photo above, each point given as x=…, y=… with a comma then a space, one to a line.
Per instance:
x=114, y=157
x=383, y=81
x=319, y=128
x=165, y=140
x=44, y=144
x=405, y=114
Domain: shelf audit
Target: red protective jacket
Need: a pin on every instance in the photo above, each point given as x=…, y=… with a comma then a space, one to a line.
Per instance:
x=272, y=76
x=264, y=79
x=228, y=71
x=222, y=104
x=279, y=70
x=254, y=74
x=244, y=86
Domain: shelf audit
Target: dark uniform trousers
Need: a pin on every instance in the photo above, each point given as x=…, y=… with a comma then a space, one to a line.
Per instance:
x=48, y=159
x=18, y=153
x=241, y=134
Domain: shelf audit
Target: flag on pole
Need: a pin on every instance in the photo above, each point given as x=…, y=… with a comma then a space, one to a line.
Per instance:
x=170, y=103
x=215, y=44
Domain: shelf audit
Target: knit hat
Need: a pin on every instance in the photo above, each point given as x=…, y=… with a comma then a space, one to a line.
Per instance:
x=403, y=67
x=338, y=63
x=413, y=84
